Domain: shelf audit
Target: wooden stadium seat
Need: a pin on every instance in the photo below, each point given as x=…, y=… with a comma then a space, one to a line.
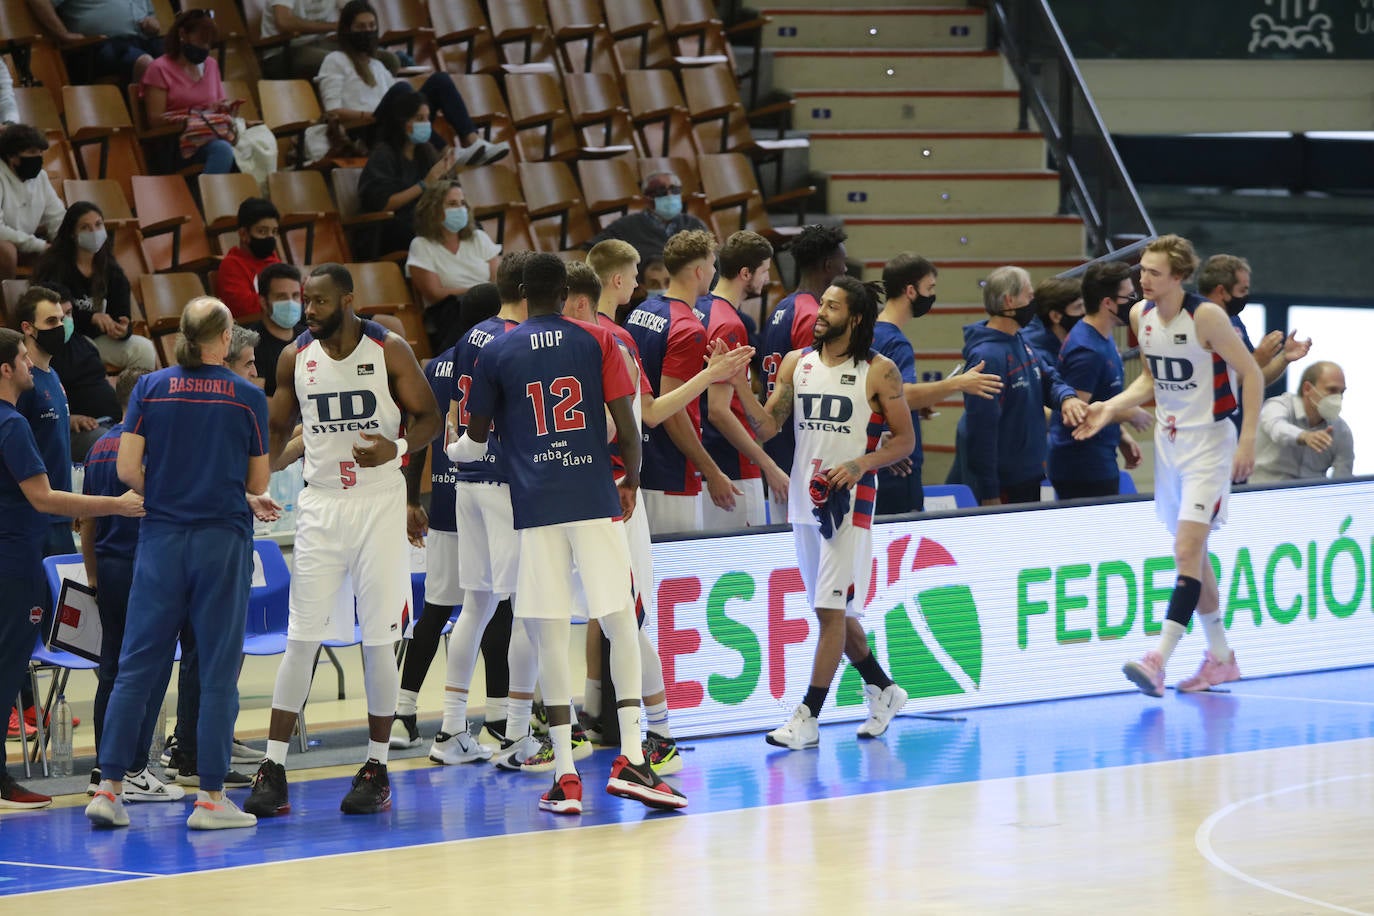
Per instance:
x=722, y=126
x=498, y=203
x=10, y=291
x=102, y=134
x=37, y=58
x=248, y=91
x=235, y=53
x=120, y=222
x=696, y=29
x=379, y=287
x=351, y=216
x=598, y=110
x=37, y=109
x=736, y=202
x=406, y=22
x=558, y=215
x=311, y=227
x=660, y=114
x=584, y=43
x=174, y=237
x=521, y=31
x=164, y=298
x=640, y=38
x=220, y=196
x=160, y=142
x=463, y=36
x=253, y=11
x=288, y=108
x=487, y=108
x=544, y=131
x=610, y=188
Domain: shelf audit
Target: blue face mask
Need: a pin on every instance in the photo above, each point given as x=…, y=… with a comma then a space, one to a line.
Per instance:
x=420, y=132
x=669, y=206
x=455, y=218
x=286, y=313
x=68, y=328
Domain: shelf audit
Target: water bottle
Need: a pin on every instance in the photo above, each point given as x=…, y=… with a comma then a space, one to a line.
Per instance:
x=155, y=747
x=61, y=723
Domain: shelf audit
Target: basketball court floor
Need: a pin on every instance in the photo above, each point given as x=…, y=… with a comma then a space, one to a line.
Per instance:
x=1260, y=800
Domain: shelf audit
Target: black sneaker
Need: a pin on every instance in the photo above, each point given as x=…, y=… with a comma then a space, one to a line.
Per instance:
x=408, y=735
x=173, y=763
x=539, y=720
x=640, y=783
x=94, y=783
x=269, y=797
x=371, y=792
x=183, y=769
x=236, y=780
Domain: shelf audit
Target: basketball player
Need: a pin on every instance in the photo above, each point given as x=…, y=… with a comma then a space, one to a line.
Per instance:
x=838, y=394
x=354, y=386
x=543, y=383
x=1193, y=358
x=672, y=345
x=744, y=263
x=595, y=290
x=820, y=256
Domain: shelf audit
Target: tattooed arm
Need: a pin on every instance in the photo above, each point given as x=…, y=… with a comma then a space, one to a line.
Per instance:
x=766, y=420
x=887, y=397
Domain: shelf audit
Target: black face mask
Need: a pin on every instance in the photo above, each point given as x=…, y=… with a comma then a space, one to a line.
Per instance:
x=1237, y=305
x=52, y=340
x=29, y=167
x=363, y=42
x=921, y=305
x=194, y=54
x=261, y=248
x=1068, y=321
x=1022, y=316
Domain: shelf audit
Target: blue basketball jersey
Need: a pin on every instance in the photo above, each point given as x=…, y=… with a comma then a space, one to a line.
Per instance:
x=115, y=535
x=790, y=327
x=671, y=342
x=439, y=374
x=544, y=383
x=491, y=468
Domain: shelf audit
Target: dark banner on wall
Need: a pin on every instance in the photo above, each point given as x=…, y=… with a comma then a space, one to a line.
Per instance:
x=1229, y=29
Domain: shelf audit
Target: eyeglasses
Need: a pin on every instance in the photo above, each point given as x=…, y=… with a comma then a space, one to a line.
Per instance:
x=663, y=191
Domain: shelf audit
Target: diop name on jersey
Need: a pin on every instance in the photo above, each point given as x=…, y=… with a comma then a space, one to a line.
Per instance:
x=823, y=427
x=354, y=426
x=567, y=459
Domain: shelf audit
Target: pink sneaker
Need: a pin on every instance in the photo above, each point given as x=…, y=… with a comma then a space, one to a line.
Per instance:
x=1147, y=674
x=1211, y=673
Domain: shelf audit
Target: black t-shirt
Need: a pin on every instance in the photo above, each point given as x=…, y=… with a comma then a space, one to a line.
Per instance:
x=79, y=285
x=82, y=373
x=268, y=351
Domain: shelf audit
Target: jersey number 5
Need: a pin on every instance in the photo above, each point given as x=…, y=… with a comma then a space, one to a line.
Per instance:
x=348, y=474
x=566, y=416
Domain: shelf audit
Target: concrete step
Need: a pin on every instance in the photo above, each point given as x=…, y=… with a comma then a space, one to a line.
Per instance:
x=942, y=329
x=876, y=27
x=1030, y=193
x=951, y=109
x=926, y=151
x=960, y=280
x=873, y=69
x=1009, y=239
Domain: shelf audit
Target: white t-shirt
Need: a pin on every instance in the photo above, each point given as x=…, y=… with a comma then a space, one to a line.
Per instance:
x=318, y=10
x=340, y=87
x=462, y=270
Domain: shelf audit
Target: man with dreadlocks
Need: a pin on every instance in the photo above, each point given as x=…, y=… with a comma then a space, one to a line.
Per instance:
x=838, y=393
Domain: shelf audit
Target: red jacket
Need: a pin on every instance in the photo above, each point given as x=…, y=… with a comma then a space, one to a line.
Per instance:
x=236, y=284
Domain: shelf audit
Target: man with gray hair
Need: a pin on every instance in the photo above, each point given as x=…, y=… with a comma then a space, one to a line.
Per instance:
x=242, y=360
x=1001, y=441
x=195, y=439
x=1301, y=433
x=649, y=230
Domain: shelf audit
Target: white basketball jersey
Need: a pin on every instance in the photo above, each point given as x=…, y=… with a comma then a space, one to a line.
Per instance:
x=1193, y=385
x=340, y=399
x=834, y=423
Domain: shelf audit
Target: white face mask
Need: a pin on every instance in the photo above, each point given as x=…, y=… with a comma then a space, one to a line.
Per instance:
x=1330, y=407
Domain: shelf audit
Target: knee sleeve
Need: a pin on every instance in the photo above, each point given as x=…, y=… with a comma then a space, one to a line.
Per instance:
x=467, y=636
x=381, y=680
x=523, y=659
x=651, y=666
x=621, y=630
x=555, y=676
x=294, y=675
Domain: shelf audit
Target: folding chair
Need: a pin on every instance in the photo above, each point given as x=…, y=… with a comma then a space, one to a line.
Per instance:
x=288, y=108
x=174, y=236
x=351, y=216
x=736, y=202
x=660, y=114
x=610, y=188
x=164, y=297
x=599, y=112
x=584, y=43
x=102, y=134
x=497, y=201
x=544, y=131
x=523, y=24
x=382, y=288
x=220, y=196
x=558, y=216
x=463, y=37
x=311, y=228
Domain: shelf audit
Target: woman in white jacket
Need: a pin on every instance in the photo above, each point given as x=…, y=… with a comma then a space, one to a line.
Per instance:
x=30, y=210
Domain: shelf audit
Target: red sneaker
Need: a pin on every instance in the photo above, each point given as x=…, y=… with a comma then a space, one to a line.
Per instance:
x=13, y=795
x=31, y=719
x=1147, y=674
x=1210, y=674
x=640, y=783
x=565, y=797
x=14, y=735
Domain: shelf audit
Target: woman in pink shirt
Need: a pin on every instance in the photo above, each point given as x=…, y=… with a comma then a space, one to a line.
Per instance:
x=185, y=79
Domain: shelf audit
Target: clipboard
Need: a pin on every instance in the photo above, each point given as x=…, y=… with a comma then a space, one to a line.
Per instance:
x=76, y=623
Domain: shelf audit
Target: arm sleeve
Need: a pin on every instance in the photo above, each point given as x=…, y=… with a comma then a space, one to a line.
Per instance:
x=258, y=442
x=803, y=324
x=20, y=452
x=117, y=293
x=1276, y=426
x=133, y=414
x=53, y=208
x=1345, y=453
x=235, y=287
x=615, y=378
x=486, y=248
x=1079, y=370
x=421, y=255
x=1056, y=392
x=155, y=75
x=982, y=418
x=686, y=350
x=482, y=397
x=332, y=78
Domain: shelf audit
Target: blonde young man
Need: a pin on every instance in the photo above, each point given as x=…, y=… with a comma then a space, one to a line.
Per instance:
x=1193, y=359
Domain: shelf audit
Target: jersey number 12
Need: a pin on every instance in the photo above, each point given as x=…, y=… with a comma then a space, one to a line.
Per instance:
x=566, y=416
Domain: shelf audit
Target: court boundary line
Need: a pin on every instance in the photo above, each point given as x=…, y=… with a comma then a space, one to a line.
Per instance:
x=1202, y=839
x=1264, y=696
x=86, y=868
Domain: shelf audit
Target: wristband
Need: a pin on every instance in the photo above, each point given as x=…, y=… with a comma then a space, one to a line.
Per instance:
x=402, y=447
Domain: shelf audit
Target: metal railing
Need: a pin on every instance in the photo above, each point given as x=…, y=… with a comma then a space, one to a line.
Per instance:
x=1093, y=180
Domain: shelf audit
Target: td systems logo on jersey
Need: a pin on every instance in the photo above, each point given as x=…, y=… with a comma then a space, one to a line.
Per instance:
x=829, y=413
x=345, y=412
x=1171, y=373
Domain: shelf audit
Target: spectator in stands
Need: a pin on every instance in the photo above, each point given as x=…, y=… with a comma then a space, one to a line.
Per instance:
x=1001, y=441
x=1090, y=364
x=279, y=300
x=81, y=259
x=649, y=230
x=90, y=398
x=1058, y=307
x=655, y=279
x=354, y=81
x=186, y=79
x=1225, y=280
x=310, y=22
x=242, y=358
x=401, y=164
x=30, y=210
x=448, y=256
x=130, y=29
x=236, y=284
x=1301, y=434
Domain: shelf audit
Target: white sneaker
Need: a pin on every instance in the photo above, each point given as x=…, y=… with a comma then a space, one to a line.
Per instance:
x=217, y=815
x=468, y=155
x=802, y=731
x=242, y=753
x=883, y=705
x=459, y=748
x=513, y=754
x=490, y=739
x=144, y=786
x=107, y=810
x=491, y=152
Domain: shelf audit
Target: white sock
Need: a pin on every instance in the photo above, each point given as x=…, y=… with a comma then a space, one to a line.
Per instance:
x=377, y=750
x=591, y=697
x=455, y=711
x=657, y=714
x=561, y=736
x=630, y=744
x=1169, y=635
x=276, y=751
x=518, y=718
x=1215, y=629
x=407, y=702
